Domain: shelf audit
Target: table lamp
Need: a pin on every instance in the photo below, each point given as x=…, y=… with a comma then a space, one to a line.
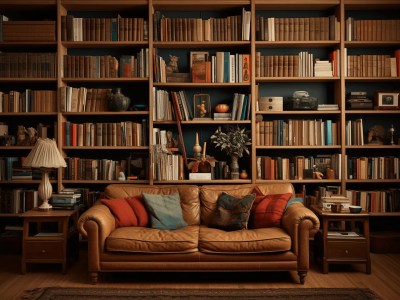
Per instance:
x=45, y=156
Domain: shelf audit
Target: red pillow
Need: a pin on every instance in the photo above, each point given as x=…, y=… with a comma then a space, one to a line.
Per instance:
x=267, y=210
x=122, y=211
x=139, y=209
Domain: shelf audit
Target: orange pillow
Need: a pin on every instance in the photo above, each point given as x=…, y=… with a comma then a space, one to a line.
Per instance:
x=122, y=211
x=267, y=210
x=139, y=209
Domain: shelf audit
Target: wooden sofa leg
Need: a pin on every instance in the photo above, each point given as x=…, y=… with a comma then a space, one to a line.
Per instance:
x=302, y=276
x=94, y=277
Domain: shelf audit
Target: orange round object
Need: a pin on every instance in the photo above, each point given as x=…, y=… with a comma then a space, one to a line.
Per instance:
x=222, y=108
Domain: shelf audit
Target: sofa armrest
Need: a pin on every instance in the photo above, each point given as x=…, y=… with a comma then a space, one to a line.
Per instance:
x=96, y=223
x=301, y=224
x=297, y=213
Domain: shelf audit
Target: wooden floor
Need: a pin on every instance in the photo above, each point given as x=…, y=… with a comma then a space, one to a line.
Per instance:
x=384, y=280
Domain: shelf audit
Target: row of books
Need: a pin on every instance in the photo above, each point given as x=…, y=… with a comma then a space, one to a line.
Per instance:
x=67, y=199
x=293, y=132
x=83, y=99
x=167, y=166
x=28, y=101
x=354, y=132
x=302, y=65
x=231, y=28
x=297, y=29
x=135, y=66
x=22, y=31
x=223, y=67
x=125, y=133
x=297, y=167
x=28, y=65
x=103, y=29
x=378, y=167
x=104, y=66
x=18, y=200
x=372, y=30
x=377, y=200
x=11, y=169
x=162, y=110
x=93, y=169
x=373, y=65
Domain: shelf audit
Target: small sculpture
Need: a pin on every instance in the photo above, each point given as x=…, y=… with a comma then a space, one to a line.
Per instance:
x=121, y=176
x=391, y=131
x=172, y=66
x=22, y=139
x=376, y=135
x=32, y=135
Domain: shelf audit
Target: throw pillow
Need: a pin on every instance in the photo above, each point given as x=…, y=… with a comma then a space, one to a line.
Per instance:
x=232, y=213
x=122, y=211
x=165, y=211
x=293, y=201
x=267, y=210
x=139, y=209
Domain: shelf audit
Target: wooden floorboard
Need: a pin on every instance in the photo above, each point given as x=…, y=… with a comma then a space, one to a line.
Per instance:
x=384, y=280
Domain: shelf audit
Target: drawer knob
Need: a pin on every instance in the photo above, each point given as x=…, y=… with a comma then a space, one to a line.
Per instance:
x=346, y=251
x=43, y=251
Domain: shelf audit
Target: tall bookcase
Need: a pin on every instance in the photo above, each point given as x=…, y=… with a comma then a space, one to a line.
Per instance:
x=327, y=39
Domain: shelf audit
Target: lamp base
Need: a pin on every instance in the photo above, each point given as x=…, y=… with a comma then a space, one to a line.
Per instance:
x=45, y=206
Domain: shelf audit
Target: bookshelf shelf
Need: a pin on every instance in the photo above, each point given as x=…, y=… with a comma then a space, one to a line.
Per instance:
x=298, y=147
x=296, y=44
x=104, y=44
x=297, y=79
x=201, y=45
x=199, y=85
x=105, y=80
x=105, y=148
x=303, y=112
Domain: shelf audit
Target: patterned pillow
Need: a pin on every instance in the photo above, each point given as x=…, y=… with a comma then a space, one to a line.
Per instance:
x=267, y=210
x=165, y=211
x=232, y=213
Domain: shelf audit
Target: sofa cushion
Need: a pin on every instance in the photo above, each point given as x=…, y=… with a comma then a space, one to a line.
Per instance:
x=260, y=240
x=139, y=209
x=267, y=210
x=150, y=240
x=165, y=211
x=232, y=213
x=188, y=193
x=122, y=211
x=209, y=194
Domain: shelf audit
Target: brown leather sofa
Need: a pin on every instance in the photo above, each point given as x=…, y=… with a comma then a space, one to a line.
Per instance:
x=196, y=247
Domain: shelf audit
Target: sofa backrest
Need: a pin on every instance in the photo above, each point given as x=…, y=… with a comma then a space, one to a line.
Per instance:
x=209, y=194
x=189, y=196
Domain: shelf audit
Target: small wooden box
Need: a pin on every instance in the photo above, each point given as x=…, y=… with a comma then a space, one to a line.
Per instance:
x=270, y=103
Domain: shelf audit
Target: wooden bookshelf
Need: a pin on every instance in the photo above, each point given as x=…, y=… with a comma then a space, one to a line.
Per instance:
x=328, y=90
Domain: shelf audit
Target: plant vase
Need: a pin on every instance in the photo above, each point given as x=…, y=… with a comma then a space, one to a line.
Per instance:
x=234, y=166
x=118, y=101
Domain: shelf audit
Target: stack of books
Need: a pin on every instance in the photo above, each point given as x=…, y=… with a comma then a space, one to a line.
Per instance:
x=67, y=199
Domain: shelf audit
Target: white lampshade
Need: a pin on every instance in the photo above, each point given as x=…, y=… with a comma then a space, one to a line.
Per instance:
x=45, y=155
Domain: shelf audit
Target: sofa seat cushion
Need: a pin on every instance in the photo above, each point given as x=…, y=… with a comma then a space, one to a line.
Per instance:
x=150, y=240
x=259, y=240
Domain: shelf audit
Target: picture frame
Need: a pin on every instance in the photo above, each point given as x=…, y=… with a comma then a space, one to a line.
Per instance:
x=202, y=106
x=386, y=100
x=198, y=56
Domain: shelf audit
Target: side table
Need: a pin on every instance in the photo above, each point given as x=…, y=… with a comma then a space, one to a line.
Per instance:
x=49, y=237
x=343, y=246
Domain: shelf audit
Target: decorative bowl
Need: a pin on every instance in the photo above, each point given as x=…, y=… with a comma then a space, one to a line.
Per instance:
x=221, y=108
x=354, y=209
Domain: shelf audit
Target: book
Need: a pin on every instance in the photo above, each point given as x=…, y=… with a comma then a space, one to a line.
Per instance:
x=199, y=176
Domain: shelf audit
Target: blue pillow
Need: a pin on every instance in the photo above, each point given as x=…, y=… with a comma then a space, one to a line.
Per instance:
x=165, y=211
x=293, y=201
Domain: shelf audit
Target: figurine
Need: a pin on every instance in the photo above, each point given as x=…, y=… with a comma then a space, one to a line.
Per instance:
x=121, y=176
x=391, y=131
x=172, y=66
x=32, y=135
x=376, y=135
x=22, y=139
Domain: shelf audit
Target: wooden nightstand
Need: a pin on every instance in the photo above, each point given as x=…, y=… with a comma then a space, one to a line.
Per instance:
x=49, y=237
x=346, y=246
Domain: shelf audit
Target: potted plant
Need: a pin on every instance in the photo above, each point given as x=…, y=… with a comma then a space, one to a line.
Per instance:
x=234, y=141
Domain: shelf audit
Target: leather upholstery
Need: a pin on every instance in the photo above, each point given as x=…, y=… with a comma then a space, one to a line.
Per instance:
x=197, y=247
